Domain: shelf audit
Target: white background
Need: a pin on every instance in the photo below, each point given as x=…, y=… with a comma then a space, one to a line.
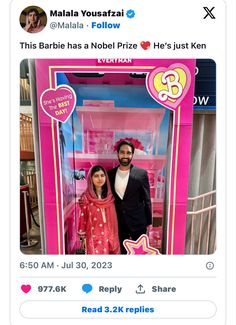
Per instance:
x=231, y=162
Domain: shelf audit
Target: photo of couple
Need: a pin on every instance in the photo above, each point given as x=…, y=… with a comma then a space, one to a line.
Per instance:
x=120, y=167
x=116, y=205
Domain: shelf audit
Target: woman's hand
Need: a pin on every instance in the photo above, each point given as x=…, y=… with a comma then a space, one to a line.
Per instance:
x=148, y=229
x=82, y=200
x=81, y=234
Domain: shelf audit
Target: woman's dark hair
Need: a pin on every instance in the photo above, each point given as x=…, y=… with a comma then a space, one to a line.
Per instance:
x=95, y=169
x=128, y=143
x=33, y=10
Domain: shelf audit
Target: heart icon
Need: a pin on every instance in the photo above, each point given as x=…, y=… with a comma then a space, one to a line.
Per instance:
x=145, y=45
x=26, y=288
x=168, y=86
x=58, y=103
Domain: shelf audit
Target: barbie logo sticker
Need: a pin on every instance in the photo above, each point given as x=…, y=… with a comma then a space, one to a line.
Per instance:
x=168, y=86
x=58, y=103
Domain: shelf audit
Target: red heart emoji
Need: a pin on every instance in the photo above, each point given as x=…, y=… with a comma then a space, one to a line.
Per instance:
x=145, y=45
x=26, y=288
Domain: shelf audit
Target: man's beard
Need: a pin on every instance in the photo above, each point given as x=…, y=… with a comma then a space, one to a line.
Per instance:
x=125, y=161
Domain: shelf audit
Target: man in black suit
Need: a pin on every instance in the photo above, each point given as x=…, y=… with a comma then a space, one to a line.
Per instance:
x=130, y=187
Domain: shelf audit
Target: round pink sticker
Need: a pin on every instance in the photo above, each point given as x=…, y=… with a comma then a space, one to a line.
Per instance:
x=58, y=103
x=169, y=86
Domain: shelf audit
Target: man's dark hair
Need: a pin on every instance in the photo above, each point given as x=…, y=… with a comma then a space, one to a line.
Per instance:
x=128, y=143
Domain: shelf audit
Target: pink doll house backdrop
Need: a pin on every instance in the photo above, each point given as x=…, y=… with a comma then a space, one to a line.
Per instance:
x=100, y=125
x=113, y=104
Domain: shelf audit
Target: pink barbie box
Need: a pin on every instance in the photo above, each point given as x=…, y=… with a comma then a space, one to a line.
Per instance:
x=76, y=131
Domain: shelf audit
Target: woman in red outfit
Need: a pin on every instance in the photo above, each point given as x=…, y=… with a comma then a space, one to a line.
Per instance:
x=33, y=23
x=98, y=220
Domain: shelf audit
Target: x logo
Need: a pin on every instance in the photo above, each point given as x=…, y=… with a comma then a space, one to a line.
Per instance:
x=209, y=13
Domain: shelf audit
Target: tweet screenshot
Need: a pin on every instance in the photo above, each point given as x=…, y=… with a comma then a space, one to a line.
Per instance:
x=118, y=193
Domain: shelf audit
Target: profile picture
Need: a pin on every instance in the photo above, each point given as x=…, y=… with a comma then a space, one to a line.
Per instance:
x=33, y=19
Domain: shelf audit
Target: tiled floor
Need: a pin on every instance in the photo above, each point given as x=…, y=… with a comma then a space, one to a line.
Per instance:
x=34, y=237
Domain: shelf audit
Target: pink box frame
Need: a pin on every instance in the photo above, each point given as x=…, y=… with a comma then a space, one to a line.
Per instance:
x=46, y=70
